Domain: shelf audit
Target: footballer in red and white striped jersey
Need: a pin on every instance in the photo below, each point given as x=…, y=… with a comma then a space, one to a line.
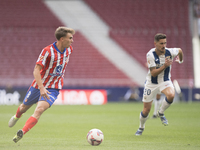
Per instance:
x=53, y=64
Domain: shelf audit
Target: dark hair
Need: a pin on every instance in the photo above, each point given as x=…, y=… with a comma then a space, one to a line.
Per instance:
x=159, y=36
x=62, y=32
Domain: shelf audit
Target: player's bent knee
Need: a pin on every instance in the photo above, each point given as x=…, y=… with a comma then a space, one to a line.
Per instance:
x=169, y=101
x=170, y=97
x=38, y=112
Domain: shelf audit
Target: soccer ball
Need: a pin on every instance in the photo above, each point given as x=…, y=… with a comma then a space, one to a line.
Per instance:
x=95, y=137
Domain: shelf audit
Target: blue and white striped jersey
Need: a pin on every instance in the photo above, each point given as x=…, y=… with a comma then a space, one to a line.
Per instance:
x=153, y=60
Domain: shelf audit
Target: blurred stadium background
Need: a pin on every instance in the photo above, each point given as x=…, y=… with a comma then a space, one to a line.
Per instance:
x=110, y=44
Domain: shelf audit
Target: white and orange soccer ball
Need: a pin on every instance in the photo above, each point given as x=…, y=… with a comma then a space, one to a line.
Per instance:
x=95, y=137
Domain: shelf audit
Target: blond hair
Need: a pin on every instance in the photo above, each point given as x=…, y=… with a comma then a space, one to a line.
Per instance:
x=62, y=32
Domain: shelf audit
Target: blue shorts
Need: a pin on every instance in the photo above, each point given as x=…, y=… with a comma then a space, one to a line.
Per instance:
x=33, y=96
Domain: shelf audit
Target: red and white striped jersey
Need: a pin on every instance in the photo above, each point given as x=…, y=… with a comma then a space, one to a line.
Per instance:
x=53, y=64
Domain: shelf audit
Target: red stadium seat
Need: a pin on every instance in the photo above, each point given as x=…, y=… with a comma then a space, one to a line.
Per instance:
x=28, y=26
x=134, y=23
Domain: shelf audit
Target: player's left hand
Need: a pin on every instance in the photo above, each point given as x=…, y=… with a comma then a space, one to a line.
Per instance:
x=177, y=59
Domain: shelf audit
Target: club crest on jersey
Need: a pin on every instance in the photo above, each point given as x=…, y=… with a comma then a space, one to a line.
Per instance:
x=58, y=69
x=169, y=57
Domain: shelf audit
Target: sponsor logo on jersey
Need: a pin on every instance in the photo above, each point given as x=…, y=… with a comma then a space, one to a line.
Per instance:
x=58, y=71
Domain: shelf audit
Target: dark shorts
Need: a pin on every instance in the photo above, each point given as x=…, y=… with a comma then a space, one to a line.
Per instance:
x=33, y=96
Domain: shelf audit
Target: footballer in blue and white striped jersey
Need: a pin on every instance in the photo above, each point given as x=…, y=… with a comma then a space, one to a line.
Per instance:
x=153, y=60
x=159, y=61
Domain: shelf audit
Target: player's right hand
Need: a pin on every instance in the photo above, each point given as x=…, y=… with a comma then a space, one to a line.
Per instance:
x=44, y=93
x=168, y=62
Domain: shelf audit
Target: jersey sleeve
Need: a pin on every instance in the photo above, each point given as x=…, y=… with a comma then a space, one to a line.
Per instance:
x=150, y=60
x=174, y=52
x=42, y=58
x=70, y=50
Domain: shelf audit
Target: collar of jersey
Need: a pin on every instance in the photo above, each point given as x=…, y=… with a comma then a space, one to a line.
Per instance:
x=54, y=44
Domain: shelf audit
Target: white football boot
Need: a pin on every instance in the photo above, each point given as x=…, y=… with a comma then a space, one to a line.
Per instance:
x=12, y=121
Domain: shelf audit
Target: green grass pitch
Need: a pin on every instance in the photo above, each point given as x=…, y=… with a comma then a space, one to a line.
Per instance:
x=66, y=127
